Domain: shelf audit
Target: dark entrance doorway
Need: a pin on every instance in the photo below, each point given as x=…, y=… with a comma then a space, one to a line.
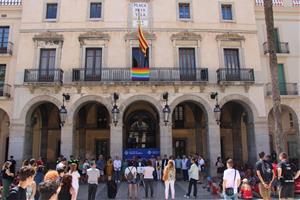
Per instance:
x=102, y=148
x=179, y=145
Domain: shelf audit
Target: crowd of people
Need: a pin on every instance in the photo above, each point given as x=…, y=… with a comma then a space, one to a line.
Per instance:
x=33, y=181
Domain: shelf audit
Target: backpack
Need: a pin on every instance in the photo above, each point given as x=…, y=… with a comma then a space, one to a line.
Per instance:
x=130, y=175
x=287, y=172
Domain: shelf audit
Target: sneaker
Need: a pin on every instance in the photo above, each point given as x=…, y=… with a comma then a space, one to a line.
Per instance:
x=186, y=196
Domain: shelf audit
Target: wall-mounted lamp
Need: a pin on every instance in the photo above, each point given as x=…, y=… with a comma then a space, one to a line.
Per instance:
x=166, y=110
x=63, y=111
x=115, y=110
x=217, y=109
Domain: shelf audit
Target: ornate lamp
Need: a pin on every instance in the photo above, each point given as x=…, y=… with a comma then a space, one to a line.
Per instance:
x=166, y=110
x=217, y=109
x=63, y=111
x=115, y=110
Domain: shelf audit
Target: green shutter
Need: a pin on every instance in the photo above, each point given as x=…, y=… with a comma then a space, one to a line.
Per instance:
x=281, y=79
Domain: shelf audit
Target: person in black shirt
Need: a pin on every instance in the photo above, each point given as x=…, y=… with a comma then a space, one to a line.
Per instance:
x=7, y=179
x=13, y=164
x=26, y=176
x=286, y=172
x=264, y=171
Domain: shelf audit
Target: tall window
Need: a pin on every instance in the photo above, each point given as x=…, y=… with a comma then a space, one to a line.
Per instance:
x=2, y=79
x=187, y=64
x=179, y=116
x=102, y=121
x=4, y=31
x=47, y=59
x=93, y=63
x=138, y=58
x=51, y=11
x=184, y=11
x=231, y=57
x=226, y=12
x=95, y=10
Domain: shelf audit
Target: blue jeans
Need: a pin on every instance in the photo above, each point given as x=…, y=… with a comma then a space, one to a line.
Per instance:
x=117, y=175
x=233, y=197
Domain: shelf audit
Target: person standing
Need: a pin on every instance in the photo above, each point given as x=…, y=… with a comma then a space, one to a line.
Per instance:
x=169, y=177
x=286, y=171
x=178, y=165
x=31, y=191
x=148, y=178
x=201, y=169
x=75, y=177
x=164, y=162
x=66, y=192
x=26, y=175
x=264, y=171
x=7, y=178
x=220, y=166
x=13, y=165
x=101, y=165
x=93, y=175
x=117, y=169
x=184, y=168
x=130, y=175
x=231, y=181
x=109, y=168
x=194, y=176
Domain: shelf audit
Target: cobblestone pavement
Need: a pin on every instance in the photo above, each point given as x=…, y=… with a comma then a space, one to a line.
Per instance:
x=180, y=191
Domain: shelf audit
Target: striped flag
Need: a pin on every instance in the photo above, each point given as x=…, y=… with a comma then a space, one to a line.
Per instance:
x=142, y=40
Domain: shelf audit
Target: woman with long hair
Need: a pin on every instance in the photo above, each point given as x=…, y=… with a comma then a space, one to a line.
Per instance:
x=67, y=192
x=75, y=178
x=7, y=178
x=109, y=168
x=169, y=178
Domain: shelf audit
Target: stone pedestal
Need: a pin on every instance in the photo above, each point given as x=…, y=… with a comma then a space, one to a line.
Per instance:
x=66, y=145
x=17, y=142
x=166, y=143
x=214, y=146
x=116, y=140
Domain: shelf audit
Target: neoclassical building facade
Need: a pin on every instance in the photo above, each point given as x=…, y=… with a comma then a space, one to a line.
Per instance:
x=89, y=50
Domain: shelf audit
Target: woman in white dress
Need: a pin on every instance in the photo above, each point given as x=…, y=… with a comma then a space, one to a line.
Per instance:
x=75, y=178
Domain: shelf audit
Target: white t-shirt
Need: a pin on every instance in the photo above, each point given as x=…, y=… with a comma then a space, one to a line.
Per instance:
x=75, y=180
x=93, y=175
x=132, y=169
x=229, y=177
x=148, y=172
x=117, y=165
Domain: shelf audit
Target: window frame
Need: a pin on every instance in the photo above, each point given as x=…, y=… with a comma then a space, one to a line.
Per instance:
x=46, y=11
x=221, y=4
x=2, y=38
x=89, y=10
x=179, y=123
x=190, y=10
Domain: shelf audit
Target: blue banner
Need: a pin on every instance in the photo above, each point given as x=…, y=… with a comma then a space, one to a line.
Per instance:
x=143, y=153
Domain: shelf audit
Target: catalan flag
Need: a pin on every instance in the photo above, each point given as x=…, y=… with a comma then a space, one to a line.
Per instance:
x=143, y=43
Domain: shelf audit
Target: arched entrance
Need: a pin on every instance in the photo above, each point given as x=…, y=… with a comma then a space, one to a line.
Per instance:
x=237, y=132
x=141, y=126
x=189, y=129
x=43, y=132
x=92, y=133
x=290, y=130
x=4, y=135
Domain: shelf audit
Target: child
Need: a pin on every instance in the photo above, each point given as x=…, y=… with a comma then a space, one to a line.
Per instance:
x=246, y=191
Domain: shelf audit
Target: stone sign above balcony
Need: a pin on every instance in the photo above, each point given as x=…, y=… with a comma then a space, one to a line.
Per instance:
x=134, y=35
x=49, y=37
x=230, y=37
x=186, y=36
x=93, y=36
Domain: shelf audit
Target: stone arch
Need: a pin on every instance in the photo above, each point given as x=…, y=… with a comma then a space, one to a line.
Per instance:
x=4, y=134
x=127, y=102
x=84, y=100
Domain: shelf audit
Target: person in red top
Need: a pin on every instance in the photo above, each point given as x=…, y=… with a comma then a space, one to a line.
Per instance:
x=246, y=191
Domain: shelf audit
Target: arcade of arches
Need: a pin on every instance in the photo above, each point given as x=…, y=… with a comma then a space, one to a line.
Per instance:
x=4, y=135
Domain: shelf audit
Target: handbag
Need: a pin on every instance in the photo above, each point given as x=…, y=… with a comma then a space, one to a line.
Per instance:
x=230, y=191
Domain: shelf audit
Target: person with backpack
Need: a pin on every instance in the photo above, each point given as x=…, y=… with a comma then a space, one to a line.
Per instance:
x=286, y=171
x=130, y=175
x=26, y=176
x=264, y=171
x=231, y=181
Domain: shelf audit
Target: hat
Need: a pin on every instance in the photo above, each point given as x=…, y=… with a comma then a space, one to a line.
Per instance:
x=245, y=180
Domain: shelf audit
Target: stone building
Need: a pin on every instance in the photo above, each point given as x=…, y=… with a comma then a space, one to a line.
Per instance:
x=88, y=49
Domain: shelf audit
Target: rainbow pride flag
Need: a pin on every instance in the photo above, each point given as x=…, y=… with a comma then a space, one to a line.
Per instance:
x=140, y=74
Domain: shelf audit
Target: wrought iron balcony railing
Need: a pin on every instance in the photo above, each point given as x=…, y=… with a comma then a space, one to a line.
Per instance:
x=275, y=2
x=232, y=74
x=281, y=47
x=10, y=2
x=125, y=74
x=5, y=90
x=43, y=76
x=6, y=48
x=284, y=88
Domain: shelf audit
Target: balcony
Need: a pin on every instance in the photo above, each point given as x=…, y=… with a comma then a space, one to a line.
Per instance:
x=5, y=90
x=281, y=47
x=43, y=76
x=6, y=48
x=159, y=75
x=10, y=2
x=275, y=2
x=284, y=88
x=235, y=75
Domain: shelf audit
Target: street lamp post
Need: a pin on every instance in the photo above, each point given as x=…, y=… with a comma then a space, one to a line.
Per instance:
x=115, y=110
x=217, y=109
x=166, y=110
x=63, y=111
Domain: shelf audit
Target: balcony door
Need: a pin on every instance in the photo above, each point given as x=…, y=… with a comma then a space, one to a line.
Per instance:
x=93, y=64
x=232, y=64
x=187, y=64
x=4, y=31
x=281, y=80
x=47, y=65
x=2, y=79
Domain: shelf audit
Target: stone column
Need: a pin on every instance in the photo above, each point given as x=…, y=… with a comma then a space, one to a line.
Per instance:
x=17, y=142
x=116, y=140
x=166, y=140
x=261, y=139
x=214, y=146
x=67, y=136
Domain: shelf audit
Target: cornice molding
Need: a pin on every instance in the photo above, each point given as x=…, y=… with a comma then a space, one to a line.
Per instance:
x=186, y=36
x=93, y=35
x=49, y=37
